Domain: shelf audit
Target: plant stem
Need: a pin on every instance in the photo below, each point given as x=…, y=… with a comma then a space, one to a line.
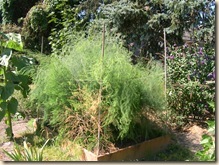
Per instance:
x=10, y=125
x=7, y=111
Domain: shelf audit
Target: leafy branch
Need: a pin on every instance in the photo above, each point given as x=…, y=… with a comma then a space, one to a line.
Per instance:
x=10, y=78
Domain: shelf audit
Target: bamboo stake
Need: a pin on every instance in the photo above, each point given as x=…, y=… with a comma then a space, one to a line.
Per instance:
x=100, y=91
x=165, y=72
x=103, y=41
x=165, y=63
x=42, y=45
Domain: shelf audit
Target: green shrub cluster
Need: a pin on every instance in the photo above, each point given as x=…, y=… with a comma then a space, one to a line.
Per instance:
x=12, y=10
x=61, y=17
x=35, y=26
x=78, y=88
x=191, y=75
x=7, y=10
x=12, y=77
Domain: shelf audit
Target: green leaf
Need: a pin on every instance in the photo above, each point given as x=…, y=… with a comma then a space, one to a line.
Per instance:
x=14, y=45
x=211, y=127
x=211, y=123
x=24, y=85
x=10, y=76
x=24, y=79
x=12, y=105
x=22, y=61
x=16, y=155
x=206, y=139
x=3, y=106
x=212, y=105
x=1, y=71
x=6, y=52
x=7, y=91
x=14, y=41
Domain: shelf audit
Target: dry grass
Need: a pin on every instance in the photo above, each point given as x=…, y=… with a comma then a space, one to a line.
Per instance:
x=66, y=151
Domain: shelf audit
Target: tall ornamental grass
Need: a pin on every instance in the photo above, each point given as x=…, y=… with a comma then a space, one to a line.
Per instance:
x=80, y=91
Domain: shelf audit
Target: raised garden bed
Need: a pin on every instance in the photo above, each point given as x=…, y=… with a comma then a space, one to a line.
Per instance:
x=134, y=152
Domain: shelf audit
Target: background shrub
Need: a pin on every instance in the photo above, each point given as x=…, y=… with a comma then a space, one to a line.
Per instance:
x=191, y=75
x=12, y=10
x=35, y=26
x=62, y=20
x=69, y=89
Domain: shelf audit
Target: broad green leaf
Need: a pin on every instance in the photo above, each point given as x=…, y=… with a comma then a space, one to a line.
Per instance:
x=24, y=79
x=14, y=45
x=12, y=105
x=6, y=51
x=7, y=91
x=24, y=90
x=12, y=77
x=1, y=71
x=21, y=62
x=14, y=41
x=3, y=107
x=23, y=86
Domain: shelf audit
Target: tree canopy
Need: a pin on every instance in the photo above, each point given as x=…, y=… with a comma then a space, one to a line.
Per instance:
x=138, y=23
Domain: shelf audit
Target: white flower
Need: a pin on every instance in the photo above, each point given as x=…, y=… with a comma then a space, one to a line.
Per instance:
x=5, y=59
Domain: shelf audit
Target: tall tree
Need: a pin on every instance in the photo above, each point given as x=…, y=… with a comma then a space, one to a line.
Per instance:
x=141, y=23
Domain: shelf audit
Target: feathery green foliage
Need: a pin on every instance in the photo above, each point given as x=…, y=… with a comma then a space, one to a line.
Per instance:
x=74, y=87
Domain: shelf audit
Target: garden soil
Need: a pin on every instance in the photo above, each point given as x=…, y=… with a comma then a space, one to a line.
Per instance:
x=189, y=137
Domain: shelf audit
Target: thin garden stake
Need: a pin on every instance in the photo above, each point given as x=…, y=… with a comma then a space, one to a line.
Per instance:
x=100, y=91
x=42, y=45
x=103, y=42
x=165, y=70
x=165, y=63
